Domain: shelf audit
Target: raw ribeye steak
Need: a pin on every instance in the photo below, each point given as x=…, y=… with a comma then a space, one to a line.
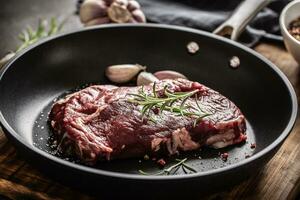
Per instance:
x=104, y=122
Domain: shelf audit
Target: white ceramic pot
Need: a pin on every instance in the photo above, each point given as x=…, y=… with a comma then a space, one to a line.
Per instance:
x=288, y=14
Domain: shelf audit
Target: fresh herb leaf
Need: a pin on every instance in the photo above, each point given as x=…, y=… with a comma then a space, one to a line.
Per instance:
x=166, y=102
x=184, y=165
x=30, y=36
x=172, y=169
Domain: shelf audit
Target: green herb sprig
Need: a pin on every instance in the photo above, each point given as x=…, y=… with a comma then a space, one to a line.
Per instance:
x=29, y=36
x=173, y=169
x=166, y=102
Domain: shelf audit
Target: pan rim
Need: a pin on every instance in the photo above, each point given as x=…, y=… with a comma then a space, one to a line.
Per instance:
x=94, y=171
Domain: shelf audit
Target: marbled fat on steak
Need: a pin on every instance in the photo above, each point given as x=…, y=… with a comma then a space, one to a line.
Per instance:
x=99, y=123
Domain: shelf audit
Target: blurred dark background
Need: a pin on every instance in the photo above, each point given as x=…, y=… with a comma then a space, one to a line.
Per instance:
x=15, y=15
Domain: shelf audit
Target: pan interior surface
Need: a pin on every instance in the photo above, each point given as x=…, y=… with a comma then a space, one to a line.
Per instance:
x=32, y=81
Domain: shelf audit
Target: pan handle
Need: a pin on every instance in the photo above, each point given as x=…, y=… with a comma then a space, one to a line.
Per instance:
x=241, y=16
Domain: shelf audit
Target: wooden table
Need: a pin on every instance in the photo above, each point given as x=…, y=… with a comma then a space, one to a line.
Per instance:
x=280, y=179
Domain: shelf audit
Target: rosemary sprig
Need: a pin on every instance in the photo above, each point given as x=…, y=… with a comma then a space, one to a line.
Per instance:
x=172, y=169
x=186, y=166
x=29, y=36
x=166, y=102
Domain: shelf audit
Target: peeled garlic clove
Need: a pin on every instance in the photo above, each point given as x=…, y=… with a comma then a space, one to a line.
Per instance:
x=123, y=73
x=168, y=74
x=145, y=78
x=92, y=9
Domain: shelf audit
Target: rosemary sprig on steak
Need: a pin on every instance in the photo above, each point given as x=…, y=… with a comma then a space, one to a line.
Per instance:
x=174, y=102
x=173, y=169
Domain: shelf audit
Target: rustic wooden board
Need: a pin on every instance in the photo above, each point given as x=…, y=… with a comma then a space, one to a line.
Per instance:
x=280, y=179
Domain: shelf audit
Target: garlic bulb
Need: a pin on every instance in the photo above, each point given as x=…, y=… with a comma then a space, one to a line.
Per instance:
x=123, y=73
x=94, y=12
x=145, y=78
x=168, y=74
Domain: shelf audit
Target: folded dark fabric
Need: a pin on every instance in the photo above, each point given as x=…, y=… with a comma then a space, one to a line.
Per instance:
x=209, y=14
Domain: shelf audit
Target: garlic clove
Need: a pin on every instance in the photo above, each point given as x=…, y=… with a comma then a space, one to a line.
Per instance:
x=100, y=20
x=92, y=9
x=118, y=13
x=108, y=2
x=145, y=78
x=122, y=3
x=139, y=16
x=123, y=73
x=168, y=74
x=133, y=5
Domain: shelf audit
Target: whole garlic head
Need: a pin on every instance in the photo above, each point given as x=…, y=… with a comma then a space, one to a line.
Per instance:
x=94, y=12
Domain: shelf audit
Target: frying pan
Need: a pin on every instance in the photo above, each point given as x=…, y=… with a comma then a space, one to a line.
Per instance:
x=38, y=75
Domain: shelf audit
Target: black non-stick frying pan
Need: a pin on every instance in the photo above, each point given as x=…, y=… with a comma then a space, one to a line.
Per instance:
x=49, y=69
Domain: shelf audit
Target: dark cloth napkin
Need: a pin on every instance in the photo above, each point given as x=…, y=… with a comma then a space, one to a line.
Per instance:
x=209, y=14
